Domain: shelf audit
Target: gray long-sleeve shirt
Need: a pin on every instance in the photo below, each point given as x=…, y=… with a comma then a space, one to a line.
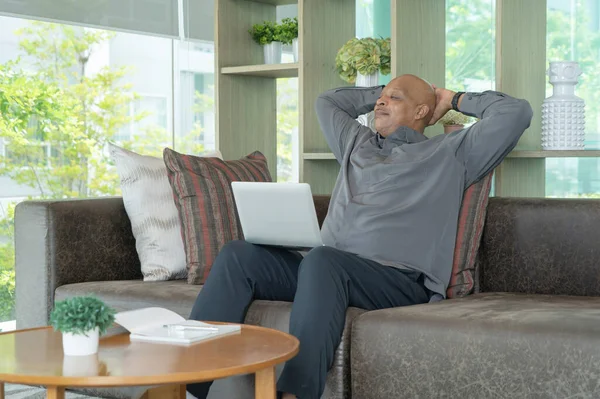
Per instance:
x=397, y=199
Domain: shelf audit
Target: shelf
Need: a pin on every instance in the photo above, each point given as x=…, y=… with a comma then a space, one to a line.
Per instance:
x=514, y=154
x=276, y=2
x=555, y=154
x=317, y=155
x=289, y=70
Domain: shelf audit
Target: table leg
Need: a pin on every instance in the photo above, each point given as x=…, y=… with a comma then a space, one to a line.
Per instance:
x=1, y=390
x=55, y=393
x=166, y=392
x=265, y=384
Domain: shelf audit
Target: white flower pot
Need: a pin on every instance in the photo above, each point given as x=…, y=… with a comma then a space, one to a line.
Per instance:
x=81, y=366
x=367, y=80
x=80, y=344
x=272, y=53
x=295, y=49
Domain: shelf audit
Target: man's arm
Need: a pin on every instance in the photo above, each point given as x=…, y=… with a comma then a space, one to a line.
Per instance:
x=337, y=111
x=483, y=146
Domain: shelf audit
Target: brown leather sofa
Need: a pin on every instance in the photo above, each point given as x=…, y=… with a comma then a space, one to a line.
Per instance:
x=531, y=331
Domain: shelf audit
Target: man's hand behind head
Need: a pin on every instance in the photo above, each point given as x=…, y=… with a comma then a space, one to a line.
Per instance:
x=443, y=103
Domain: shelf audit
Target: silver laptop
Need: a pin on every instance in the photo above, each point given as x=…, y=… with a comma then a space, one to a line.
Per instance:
x=277, y=214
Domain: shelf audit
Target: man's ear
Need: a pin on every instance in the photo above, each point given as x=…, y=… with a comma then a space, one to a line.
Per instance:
x=422, y=111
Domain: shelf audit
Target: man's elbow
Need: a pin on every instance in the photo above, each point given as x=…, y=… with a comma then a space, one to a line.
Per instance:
x=321, y=102
x=322, y=107
x=523, y=115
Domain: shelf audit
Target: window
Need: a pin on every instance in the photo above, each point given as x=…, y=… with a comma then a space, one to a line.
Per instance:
x=154, y=111
x=287, y=130
x=82, y=88
x=373, y=19
x=195, y=123
x=196, y=132
x=573, y=34
x=470, y=45
x=288, y=156
x=145, y=64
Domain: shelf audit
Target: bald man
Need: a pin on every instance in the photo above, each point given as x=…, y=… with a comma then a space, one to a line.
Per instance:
x=391, y=225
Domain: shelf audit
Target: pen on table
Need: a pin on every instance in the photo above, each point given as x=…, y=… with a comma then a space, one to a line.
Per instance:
x=183, y=327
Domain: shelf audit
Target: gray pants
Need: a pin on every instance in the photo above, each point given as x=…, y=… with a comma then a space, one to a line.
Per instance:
x=322, y=285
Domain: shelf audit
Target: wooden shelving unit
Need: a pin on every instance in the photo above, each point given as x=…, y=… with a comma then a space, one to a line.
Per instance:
x=246, y=107
x=515, y=154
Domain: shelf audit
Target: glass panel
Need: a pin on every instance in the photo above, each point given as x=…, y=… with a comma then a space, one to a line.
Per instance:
x=195, y=124
x=470, y=45
x=287, y=130
x=573, y=34
x=288, y=157
x=364, y=18
x=146, y=63
x=373, y=19
x=573, y=177
x=65, y=92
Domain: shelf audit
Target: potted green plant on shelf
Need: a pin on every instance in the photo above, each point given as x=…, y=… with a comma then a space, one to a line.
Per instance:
x=360, y=61
x=453, y=121
x=81, y=320
x=289, y=34
x=268, y=35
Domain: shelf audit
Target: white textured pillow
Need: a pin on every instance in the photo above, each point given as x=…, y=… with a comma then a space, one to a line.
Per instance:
x=155, y=223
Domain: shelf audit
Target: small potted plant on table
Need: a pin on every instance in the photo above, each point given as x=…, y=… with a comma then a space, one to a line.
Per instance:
x=453, y=121
x=81, y=320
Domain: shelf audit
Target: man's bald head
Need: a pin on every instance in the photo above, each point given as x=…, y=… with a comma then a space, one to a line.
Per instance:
x=419, y=89
x=406, y=101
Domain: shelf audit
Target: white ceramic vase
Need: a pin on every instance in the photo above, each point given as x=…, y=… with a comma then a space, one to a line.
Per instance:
x=367, y=80
x=272, y=52
x=563, y=113
x=81, y=344
x=295, y=49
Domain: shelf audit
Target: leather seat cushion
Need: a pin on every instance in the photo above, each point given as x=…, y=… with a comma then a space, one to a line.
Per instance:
x=493, y=344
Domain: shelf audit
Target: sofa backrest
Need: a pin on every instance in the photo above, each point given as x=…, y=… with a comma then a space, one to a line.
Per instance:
x=321, y=205
x=541, y=246
x=535, y=245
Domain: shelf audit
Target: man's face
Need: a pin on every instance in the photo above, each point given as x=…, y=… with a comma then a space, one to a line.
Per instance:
x=398, y=106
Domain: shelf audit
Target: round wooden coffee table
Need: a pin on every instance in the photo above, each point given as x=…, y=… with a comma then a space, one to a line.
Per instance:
x=35, y=357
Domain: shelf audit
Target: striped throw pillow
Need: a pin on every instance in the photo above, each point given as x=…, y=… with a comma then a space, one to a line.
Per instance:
x=468, y=236
x=204, y=200
x=148, y=201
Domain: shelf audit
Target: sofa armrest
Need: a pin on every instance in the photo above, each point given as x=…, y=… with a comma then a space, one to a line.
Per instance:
x=68, y=241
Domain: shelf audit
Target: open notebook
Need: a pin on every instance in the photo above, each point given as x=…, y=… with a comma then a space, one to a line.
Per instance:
x=164, y=326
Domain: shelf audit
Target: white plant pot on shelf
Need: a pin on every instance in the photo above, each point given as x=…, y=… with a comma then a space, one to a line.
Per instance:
x=272, y=53
x=81, y=344
x=295, y=49
x=367, y=80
